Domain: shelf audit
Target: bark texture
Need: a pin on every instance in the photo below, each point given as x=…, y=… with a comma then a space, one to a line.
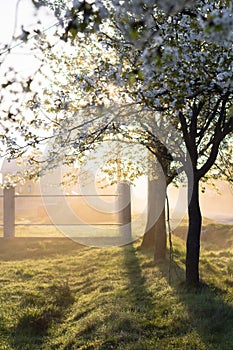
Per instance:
x=155, y=233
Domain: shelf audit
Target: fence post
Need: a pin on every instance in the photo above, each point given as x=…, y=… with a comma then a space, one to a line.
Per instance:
x=9, y=212
x=124, y=211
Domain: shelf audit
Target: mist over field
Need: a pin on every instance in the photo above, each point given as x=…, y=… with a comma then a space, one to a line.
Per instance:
x=216, y=202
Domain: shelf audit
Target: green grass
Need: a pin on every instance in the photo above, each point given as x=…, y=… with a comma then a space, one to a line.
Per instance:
x=56, y=294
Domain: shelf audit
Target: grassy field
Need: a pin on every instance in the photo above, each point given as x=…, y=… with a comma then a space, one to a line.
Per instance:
x=56, y=294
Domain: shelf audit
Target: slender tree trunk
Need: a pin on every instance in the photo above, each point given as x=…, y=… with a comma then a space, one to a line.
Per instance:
x=194, y=234
x=155, y=235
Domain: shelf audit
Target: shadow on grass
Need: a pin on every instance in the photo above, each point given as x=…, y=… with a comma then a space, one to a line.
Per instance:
x=139, y=321
x=36, y=248
x=209, y=312
x=137, y=291
x=127, y=321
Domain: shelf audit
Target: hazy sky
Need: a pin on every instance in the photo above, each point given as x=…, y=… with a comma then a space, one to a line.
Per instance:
x=12, y=17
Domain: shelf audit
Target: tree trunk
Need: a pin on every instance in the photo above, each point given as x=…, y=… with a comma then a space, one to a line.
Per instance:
x=160, y=238
x=124, y=212
x=155, y=234
x=194, y=234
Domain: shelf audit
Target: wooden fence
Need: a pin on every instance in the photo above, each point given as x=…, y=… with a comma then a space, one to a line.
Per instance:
x=9, y=210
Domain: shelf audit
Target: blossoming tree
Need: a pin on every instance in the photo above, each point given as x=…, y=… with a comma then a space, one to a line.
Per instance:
x=175, y=61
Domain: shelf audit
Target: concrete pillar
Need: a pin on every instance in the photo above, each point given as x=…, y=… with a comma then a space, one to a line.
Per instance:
x=9, y=212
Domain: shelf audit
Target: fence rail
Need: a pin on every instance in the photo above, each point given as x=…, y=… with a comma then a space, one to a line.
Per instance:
x=63, y=195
